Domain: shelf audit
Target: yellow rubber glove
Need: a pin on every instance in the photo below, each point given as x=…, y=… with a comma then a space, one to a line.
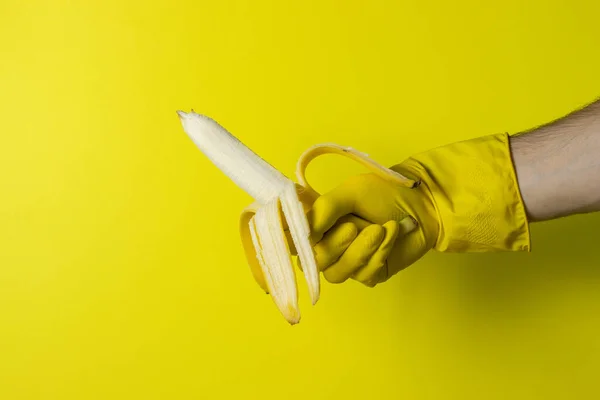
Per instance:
x=468, y=201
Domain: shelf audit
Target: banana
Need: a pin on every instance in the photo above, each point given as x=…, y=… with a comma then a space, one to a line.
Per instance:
x=279, y=206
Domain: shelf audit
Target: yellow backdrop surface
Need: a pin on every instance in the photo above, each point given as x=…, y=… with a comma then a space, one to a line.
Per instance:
x=121, y=270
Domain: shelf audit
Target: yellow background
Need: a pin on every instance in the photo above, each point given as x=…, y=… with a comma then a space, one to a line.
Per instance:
x=121, y=270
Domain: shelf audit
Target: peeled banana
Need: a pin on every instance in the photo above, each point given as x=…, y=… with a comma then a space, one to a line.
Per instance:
x=279, y=203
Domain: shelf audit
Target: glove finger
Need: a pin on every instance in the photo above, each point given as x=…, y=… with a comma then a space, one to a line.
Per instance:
x=407, y=250
x=327, y=209
x=377, y=260
x=369, y=273
x=357, y=255
x=358, y=223
x=334, y=243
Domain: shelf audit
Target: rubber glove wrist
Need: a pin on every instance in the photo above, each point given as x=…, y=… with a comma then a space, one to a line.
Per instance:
x=473, y=187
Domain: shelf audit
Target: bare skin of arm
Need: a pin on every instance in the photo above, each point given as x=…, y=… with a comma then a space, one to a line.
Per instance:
x=558, y=165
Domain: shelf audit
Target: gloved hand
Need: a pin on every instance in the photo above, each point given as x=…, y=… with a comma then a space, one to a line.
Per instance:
x=468, y=201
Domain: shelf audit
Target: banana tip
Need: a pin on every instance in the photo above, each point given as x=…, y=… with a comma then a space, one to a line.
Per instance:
x=292, y=314
x=315, y=299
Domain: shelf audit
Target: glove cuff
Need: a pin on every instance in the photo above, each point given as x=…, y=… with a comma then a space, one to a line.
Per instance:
x=476, y=195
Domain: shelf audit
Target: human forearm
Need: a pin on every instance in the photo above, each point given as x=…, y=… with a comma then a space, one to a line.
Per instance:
x=558, y=165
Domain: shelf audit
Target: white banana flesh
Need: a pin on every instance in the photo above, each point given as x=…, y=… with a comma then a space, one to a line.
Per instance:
x=273, y=193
